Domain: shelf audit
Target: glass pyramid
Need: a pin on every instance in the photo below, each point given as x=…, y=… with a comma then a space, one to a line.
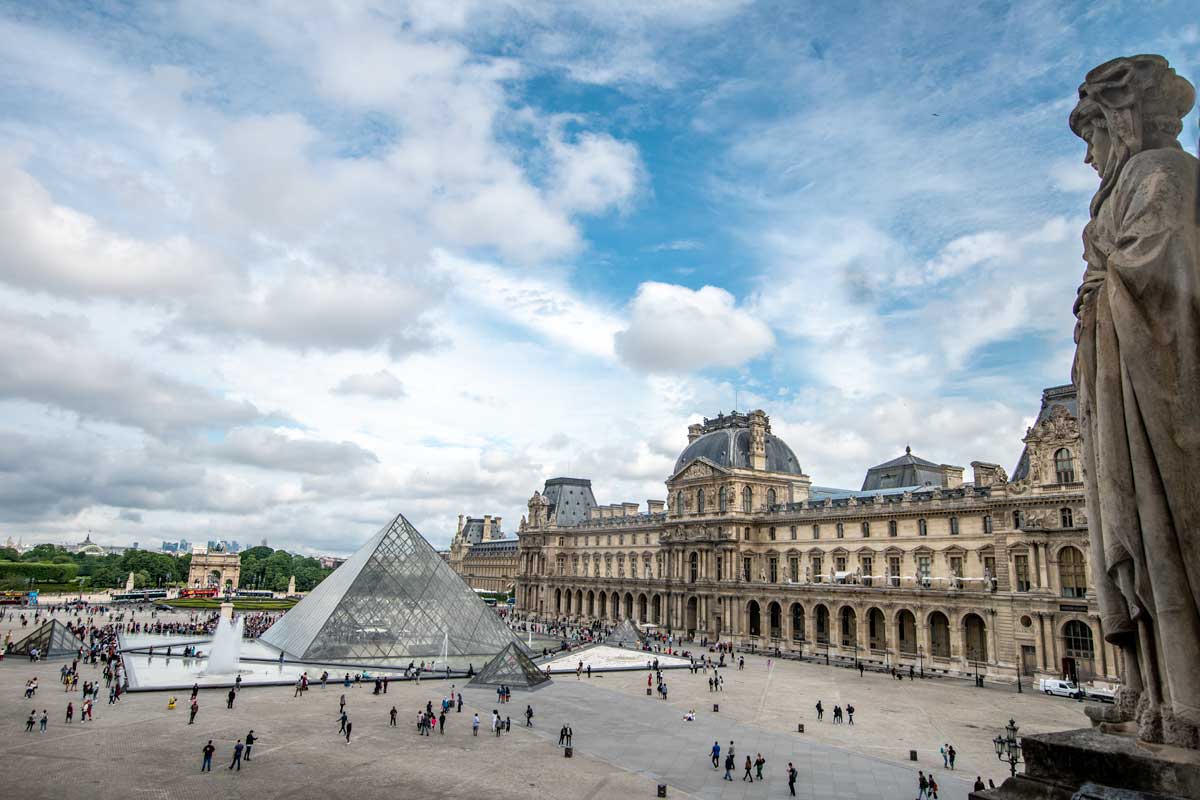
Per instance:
x=510, y=667
x=395, y=600
x=624, y=635
x=51, y=638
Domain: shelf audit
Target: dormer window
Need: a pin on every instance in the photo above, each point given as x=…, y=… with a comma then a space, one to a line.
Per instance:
x=1064, y=466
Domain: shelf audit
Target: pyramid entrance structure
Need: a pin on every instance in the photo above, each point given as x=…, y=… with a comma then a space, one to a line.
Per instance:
x=52, y=639
x=625, y=634
x=511, y=667
x=394, y=601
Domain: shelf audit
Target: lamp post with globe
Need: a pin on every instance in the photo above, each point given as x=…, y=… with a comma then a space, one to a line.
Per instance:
x=1008, y=747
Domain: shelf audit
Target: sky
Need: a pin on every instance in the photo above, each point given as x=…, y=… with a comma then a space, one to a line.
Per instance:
x=283, y=270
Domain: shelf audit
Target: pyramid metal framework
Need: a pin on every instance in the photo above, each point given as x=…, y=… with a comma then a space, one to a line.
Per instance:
x=510, y=667
x=51, y=639
x=394, y=600
x=625, y=634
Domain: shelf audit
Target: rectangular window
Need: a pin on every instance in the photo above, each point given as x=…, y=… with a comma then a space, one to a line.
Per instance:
x=841, y=530
x=987, y=523
x=621, y=539
x=720, y=572
x=816, y=568
x=771, y=533
x=560, y=541
x=793, y=533
x=1021, y=566
x=954, y=526
x=891, y=527
x=773, y=566
x=840, y=561
x=610, y=540
x=894, y=570
x=794, y=569
x=746, y=569
x=867, y=564
x=816, y=531
x=923, y=564
x=866, y=530
x=989, y=564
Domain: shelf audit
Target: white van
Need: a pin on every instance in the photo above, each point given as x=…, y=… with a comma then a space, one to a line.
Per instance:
x=1060, y=688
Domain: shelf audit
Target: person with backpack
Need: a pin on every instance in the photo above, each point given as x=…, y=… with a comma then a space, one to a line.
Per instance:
x=791, y=778
x=922, y=786
x=759, y=763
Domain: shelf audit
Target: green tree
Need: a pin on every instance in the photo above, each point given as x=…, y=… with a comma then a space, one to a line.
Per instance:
x=41, y=552
x=9, y=554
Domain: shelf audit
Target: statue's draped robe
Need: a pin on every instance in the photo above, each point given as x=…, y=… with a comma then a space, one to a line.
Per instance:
x=1137, y=368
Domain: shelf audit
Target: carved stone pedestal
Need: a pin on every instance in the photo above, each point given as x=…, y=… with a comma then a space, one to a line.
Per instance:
x=1089, y=763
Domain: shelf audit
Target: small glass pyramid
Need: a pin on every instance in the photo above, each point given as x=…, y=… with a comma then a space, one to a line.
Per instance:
x=625, y=634
x=393, y=601
x=510, y=667
x=51, y=638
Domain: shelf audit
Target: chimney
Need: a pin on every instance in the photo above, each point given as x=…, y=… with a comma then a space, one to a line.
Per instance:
x=629, y=509
x=695, y=432
x=759, y=426
x=655, y=506
x=987, y=474
x=460, y=523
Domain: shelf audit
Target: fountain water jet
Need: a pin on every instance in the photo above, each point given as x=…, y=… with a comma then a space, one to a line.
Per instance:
x=225, y=650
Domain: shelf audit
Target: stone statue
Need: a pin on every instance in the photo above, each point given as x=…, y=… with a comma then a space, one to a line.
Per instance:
x=1137, y=368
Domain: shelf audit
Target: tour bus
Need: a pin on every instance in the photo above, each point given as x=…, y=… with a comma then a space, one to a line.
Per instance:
x=254, y=593
x=210, y=591
x=141, y=596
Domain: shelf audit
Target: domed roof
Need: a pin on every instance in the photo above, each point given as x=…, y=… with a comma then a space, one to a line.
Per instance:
x=725, y=441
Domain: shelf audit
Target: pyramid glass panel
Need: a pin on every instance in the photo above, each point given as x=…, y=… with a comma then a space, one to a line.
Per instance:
x=395, y=600
x=511, y=667
x=624, y=635
x=51, y=639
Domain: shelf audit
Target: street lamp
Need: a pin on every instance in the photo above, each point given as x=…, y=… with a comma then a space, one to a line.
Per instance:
x=1008, y=747
x=921, y=660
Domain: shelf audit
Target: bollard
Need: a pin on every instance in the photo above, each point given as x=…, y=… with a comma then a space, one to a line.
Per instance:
x=662, y=790
x=800, y=728
x=568, y=751
x=912, y=755
x=647, y=691
x=716, y=707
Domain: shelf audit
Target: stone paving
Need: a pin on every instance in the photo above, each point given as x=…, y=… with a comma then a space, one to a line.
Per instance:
x=625, y=742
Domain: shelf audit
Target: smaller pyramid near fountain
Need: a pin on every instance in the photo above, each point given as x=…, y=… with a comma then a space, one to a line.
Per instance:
x=52, y=639
x=511, y=667
x=625, y=634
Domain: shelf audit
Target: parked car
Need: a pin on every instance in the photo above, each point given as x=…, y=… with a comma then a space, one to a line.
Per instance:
x=1060, y=688
x=1100, y=693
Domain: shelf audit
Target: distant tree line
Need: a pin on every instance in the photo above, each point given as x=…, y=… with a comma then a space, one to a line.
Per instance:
x=262, y=568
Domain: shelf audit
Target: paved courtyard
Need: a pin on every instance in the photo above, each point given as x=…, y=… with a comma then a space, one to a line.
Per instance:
x=625, y=742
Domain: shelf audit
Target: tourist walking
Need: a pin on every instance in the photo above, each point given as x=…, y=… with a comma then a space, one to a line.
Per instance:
x=349, y=726
x=945, y=756
x=748, y=776
x=70, y=712
x=392, y=717
x=716, y=755
x=528, y=716
x=192, y=711
x=442, y=724
x=759, y=763
x=791, y=778
x=849, y=714
x=29, y=722
x=250, y=740
x=922, y=786
x=342, y=703
x=237, y=756
x=951, y=753
x=820, y=711
x=562, y=735
x=45, y=718
x=342, y=719
x=229, y=698
x=475, y=726
x=728, y=767
x=206, y=764
x=933, y=787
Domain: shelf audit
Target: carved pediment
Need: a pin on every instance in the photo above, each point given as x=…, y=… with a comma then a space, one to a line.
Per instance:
x=698, y=469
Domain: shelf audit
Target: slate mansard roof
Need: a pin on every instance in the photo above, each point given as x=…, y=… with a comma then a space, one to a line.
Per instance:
x=907, y=470
x=725, y=441
x=1065, y=396
x=571, y=499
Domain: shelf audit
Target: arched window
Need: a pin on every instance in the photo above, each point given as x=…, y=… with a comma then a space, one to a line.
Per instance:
x=723, y=499
x=954, y=526
x=1017, y=519
x=816, y=531
x=922, y=527
x=1064, y=466
x=1066, y=518
x=1072, y=575
x=747, y=498
x=866, y=529
x=891, y=527
x=841, y=530
x=770, y=498
x=699, y=501
x=1078, y=640
x=679, y=502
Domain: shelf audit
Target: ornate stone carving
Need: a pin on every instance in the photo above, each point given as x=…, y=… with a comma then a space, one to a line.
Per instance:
x=1137, y=366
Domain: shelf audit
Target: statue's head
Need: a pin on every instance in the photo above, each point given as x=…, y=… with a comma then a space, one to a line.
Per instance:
x=1128, y=105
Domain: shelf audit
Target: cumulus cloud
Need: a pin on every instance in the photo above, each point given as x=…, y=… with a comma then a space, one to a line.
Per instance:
x=275, y=450
x=382, y=385
x=594, y=173
x=47, y=359
x=676, y=329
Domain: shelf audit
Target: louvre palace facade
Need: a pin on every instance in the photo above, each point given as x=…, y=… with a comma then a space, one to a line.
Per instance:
x=918, y=567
